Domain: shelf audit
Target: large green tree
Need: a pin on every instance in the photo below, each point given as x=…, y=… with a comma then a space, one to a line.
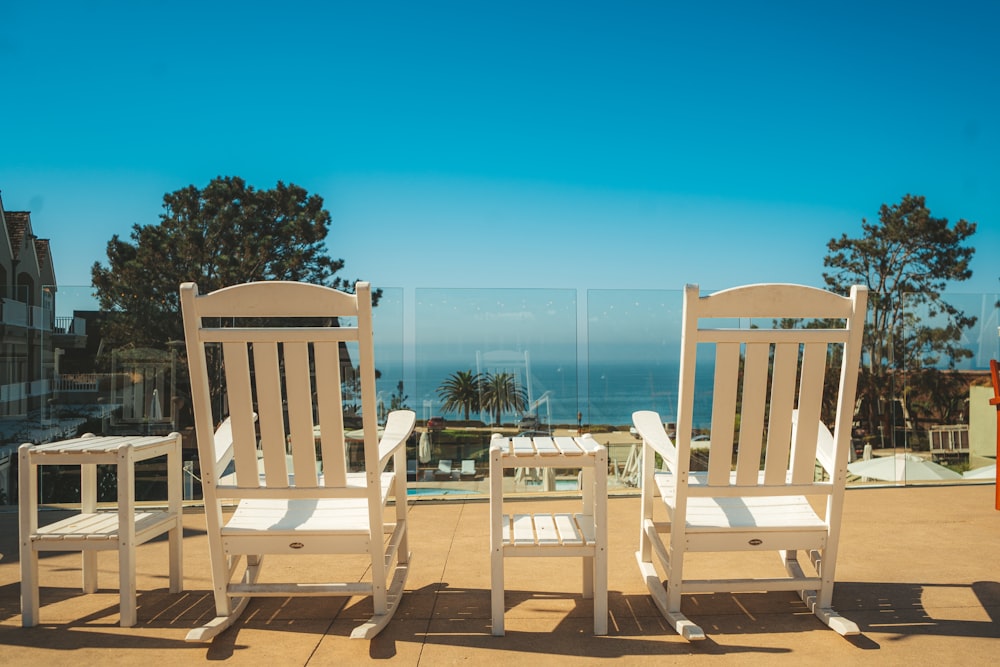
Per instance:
x=225, y=233
x=906, y=259
x=461, y=391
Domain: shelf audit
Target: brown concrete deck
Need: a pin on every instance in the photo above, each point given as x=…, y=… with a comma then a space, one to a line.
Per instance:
x=918, y=571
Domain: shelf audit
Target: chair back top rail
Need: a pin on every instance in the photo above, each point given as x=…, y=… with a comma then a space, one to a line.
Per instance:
x=279, y=298
x=771, y=300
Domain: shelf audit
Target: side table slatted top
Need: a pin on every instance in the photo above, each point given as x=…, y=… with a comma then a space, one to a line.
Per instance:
x=94, y=448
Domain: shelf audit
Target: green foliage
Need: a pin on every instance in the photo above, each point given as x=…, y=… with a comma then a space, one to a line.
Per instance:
x=937, y=396
x=461, y=392
x=468, y=391
x=397, y=400
x=459, y=437
x=906, y=259
x=501, y=392
x=224, y=234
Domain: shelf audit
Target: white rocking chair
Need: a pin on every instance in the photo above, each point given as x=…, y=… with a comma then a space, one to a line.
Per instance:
x=282, y=348
x=769, y=382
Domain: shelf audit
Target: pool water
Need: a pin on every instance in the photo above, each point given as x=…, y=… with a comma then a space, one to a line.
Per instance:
x=561, y=485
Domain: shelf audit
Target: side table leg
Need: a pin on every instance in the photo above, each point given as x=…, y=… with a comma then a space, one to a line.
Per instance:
x=88, y=505
x=588, y=492
x=496, y=594
x=496, y=541
x=126, y=536
x=28, y=526
x=176, y=534
x=601, y=590
x=601, y=547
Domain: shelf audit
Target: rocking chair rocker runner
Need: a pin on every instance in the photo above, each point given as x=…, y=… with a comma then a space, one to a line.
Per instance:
x=283, y=376
x=767, y=395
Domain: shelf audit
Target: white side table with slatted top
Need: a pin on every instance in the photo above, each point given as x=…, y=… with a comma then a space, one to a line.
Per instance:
x=583, y=534
x=91, y=531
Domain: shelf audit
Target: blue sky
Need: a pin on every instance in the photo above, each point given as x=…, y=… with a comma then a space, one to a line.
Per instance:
x=515, y=144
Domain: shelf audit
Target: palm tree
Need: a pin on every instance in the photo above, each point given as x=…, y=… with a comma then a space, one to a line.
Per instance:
x=461, y=391
x=501, y=391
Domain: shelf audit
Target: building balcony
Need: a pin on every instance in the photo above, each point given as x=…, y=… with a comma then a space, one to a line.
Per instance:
x=69, y=333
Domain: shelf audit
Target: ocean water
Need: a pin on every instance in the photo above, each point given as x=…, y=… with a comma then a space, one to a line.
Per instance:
x=605, y=393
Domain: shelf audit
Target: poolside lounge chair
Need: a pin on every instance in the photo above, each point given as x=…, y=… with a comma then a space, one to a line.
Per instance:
x=468, y=469
x=770, y=383
x=283, y=375
x=443, y=471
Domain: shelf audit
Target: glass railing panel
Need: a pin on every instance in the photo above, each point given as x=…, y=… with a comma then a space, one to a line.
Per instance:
x=633, y=347
x=580, y=369
x=390, y=386
x=633, y=352
x=491, y=361
x=72, y=385
x=943, y=428
x=41, y=397
x=387, y=323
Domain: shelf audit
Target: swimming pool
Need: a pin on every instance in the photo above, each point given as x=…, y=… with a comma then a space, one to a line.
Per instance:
x=561, y=485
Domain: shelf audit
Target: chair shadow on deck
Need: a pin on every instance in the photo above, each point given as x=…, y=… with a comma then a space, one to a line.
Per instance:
x=941, y=609
x=461, y=617
x=438, y=614
x=562, y=625
x=98, y=628
x=158, y=599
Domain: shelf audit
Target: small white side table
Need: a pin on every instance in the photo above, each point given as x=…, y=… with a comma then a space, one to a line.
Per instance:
x=92, y=531
x=584, y=534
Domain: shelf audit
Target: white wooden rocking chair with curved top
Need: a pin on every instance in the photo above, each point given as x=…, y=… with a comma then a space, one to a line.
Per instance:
x=767, y=397
x=283, y=376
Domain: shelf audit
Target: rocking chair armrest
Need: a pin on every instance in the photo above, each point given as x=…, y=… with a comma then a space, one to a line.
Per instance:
x=398, y=427
x=649, y=426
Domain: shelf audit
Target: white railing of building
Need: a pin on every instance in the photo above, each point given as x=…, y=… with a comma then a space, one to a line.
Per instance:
x=39, y=388
x=41, y=318
x=71, y=325
x=76, y=382
x=14, y=399
x=15, y=313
